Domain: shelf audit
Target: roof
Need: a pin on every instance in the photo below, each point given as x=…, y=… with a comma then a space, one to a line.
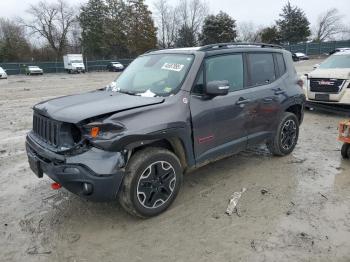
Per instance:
x=220, y=46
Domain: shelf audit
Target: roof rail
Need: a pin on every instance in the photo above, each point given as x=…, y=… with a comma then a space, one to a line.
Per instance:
x=237, y=44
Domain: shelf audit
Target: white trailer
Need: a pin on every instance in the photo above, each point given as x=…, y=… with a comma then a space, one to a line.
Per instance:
x=73, y=63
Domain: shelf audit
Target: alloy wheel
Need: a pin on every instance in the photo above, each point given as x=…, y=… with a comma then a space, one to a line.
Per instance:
x=289, y=134
x=156, y=184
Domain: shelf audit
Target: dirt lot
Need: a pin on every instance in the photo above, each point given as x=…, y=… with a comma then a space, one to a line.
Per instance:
x=296, y=208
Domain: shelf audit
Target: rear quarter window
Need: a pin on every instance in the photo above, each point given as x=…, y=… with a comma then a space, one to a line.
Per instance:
x=261, y=68
x=281, y=65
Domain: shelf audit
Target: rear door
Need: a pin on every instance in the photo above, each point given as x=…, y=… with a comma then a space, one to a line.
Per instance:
x=219, y=122
x=265, y=90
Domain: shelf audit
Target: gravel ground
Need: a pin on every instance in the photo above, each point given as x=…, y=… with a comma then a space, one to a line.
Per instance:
x=296, y=208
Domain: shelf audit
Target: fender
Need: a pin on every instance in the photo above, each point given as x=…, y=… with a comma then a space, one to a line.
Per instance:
x=180, y=138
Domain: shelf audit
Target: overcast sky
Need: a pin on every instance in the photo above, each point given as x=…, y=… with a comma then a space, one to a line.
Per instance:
x=260, y=12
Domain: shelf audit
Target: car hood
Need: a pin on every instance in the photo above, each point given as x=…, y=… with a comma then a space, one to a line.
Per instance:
x=76, y=108
x=337, y=73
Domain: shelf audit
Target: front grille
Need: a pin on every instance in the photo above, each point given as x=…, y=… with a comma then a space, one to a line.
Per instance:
x=323, y=85
x=47, y=129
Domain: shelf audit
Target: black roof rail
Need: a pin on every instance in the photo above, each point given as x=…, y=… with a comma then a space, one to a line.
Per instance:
x=237, y=44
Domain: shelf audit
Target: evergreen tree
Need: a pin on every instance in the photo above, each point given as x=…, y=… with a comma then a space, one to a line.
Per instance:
x=293, y=25
x=185, y=37
x=141, y=32
x=116, y=29
x=270, y=35
x=93, y=23
x=218, y=28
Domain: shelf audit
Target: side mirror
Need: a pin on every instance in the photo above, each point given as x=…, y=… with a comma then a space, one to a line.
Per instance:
x=316, y=66
x=217, y=88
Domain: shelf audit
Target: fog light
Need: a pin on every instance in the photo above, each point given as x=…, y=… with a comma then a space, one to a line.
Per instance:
x=87, y=189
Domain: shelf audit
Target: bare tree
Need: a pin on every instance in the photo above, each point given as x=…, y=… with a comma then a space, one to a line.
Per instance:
x=53, y=22
x=249, y=32
x=192, y=14
x=167, y=23
x=14, y=45
x=329, y=24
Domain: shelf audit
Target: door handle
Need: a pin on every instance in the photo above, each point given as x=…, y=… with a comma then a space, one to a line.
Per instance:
x=242, y=101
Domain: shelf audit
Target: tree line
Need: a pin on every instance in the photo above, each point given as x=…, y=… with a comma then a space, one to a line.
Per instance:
x=105, y=29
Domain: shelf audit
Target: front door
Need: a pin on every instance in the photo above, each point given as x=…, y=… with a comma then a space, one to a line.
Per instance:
x=219, y=122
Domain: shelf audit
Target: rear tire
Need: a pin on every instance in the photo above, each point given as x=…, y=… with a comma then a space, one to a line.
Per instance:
x=152, y=181
x=345, y=151
x=286, y=136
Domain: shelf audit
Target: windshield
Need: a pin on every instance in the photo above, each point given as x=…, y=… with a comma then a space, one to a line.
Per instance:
x=33, y=67
x=336, y=61
x=153, y=75
x=76, y=61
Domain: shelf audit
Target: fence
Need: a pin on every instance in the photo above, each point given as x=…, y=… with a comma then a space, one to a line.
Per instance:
x=317, y=48
x=58, y=67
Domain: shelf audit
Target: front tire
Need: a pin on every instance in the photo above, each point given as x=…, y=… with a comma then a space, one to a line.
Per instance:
x=152, y=181
x=286, y=136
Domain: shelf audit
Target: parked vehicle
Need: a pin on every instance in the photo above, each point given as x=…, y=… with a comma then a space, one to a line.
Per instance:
x=3, y=74
x=339, y=50
x=73, y=63
x=329, y=83
x=299, y=56
x=169, y=112
x=33, y=70
x=115, y=67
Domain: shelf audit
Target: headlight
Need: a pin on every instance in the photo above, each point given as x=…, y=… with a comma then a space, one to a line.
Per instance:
x=103, y=130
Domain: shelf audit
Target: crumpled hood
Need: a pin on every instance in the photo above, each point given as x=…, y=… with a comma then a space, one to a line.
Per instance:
x=337, y=73
x=76, y=108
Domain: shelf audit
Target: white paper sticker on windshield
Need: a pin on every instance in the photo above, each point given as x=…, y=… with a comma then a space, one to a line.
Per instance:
x=173, y=67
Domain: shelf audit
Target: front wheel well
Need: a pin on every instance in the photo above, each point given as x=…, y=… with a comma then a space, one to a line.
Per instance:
x=296, y=110
x=172, y=144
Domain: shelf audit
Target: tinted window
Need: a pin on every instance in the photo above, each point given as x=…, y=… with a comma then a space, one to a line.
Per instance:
x=262, y=69
x=228, y=67
x=199, y=86
x=280, y=64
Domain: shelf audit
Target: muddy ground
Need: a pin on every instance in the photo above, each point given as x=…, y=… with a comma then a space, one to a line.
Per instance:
x=296, y=208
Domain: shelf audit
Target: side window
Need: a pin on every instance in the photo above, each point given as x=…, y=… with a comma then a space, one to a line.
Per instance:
x=199, y=86
x=281, y=65
x=262, y=69
x=226, y=67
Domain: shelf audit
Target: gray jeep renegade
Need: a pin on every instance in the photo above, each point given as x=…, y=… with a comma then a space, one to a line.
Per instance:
x=169, y=112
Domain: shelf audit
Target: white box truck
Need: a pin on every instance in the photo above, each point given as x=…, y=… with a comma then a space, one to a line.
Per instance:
x=73, y=63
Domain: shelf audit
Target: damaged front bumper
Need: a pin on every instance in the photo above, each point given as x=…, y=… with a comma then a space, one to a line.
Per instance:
x=95, y=174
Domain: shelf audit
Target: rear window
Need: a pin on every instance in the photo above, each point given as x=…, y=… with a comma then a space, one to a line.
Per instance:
x=280, y=64
x=261, y=68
